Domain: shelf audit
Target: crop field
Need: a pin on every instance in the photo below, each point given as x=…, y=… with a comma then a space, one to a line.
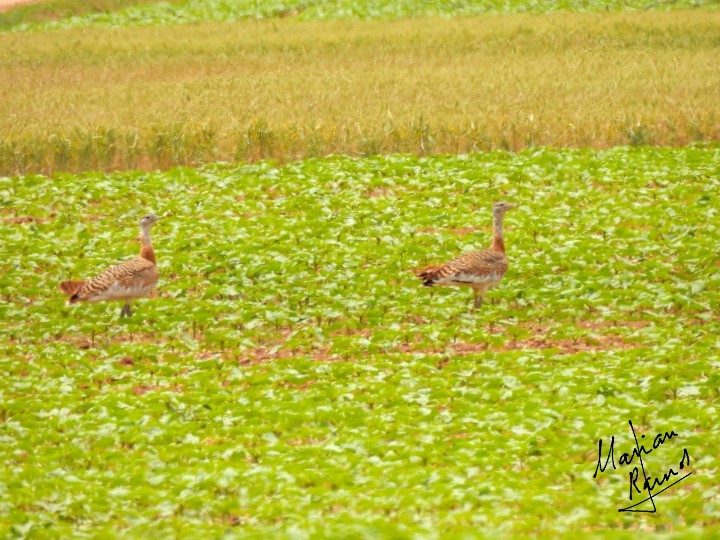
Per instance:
x=294, y=379
x=286, y=89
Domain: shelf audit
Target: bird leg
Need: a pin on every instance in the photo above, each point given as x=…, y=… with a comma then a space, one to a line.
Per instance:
x=478, y=299
x=126, y=311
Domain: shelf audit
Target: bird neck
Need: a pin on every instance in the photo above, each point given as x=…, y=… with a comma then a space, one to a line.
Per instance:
x=146, y=251
x=498, y=244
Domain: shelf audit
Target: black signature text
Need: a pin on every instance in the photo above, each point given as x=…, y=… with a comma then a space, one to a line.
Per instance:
x=648, y=485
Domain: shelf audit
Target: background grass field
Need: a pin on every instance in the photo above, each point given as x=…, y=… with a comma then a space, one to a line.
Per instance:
x=294, y=378
x=286, y=89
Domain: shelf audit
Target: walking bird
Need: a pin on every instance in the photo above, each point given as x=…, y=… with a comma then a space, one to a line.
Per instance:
x=127, y=281
x=480, y=270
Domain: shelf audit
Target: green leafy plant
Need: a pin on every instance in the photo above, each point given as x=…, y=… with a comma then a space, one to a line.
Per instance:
x=293, y=378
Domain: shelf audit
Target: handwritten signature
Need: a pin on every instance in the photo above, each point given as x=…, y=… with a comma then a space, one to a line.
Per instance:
x=649, y=484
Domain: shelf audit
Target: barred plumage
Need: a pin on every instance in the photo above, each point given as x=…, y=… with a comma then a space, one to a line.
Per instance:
x=128, y=281
x=480, y=270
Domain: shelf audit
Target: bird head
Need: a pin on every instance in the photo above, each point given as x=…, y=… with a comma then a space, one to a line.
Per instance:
x=146, y=222
x=148, y=219
x=500, y=208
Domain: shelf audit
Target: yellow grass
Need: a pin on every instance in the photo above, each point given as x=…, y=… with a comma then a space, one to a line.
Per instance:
x=154, y=97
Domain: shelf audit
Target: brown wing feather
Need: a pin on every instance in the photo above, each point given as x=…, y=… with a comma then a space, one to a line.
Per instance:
x=479, y=264
x=135, y=273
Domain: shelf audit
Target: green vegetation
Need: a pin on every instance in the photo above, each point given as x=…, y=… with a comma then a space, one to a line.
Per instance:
x=293, y=377
x=59, y=10
x=157, y=97
x=193, y=11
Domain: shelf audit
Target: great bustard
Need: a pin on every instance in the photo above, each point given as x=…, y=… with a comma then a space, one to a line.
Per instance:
x=127, y=281
x=480, y=270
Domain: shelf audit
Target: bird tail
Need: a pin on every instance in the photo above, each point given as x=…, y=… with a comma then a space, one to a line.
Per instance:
x=428, y=275
x=71, y=288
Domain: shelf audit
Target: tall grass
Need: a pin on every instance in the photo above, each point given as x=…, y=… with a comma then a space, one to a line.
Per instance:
x=285, y=89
